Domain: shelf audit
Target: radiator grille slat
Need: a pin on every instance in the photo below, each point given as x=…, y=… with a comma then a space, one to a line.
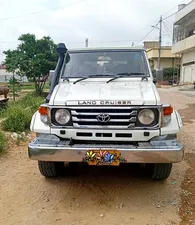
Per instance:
x=121, y=117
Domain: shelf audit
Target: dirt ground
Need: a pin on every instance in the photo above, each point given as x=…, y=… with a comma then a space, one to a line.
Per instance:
x=90, y=195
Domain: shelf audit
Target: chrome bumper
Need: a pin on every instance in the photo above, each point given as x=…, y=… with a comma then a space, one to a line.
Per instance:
x=162, y=149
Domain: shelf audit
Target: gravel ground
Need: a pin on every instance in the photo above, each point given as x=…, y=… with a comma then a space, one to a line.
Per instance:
x=118, y=196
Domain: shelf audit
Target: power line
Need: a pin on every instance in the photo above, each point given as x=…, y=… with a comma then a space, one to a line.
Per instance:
x=173, y=8
x=34, y=13
x=168, y=33
x=147, y=34
x=167, y=27
x=119, y=41
x=172, y=13
x=169, y=24
x=162, y=20
x=170, y=16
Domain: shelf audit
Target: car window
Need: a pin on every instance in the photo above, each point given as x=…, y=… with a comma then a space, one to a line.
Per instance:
x=89, y=63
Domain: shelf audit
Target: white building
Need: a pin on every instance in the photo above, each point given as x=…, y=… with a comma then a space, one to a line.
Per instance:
x=184, y=41
x=5, y=76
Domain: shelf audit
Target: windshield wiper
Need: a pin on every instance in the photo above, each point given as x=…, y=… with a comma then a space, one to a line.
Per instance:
x=91, y=76
x=124, y=75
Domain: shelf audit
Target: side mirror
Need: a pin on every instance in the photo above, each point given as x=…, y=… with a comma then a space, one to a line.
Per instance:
x=51, y=73
x=154, y=81
x=67, y=58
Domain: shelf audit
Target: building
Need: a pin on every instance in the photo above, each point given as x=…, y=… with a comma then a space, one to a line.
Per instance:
x=167, y=57
x=5, y=76
x=184, y=41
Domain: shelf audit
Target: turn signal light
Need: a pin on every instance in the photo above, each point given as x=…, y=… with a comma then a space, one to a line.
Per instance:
x=168, y=110
x=43, y=110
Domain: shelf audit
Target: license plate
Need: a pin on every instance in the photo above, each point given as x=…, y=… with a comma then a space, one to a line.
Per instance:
x=103, y=157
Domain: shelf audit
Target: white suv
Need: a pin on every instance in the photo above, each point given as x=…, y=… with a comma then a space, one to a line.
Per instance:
x=103, y=108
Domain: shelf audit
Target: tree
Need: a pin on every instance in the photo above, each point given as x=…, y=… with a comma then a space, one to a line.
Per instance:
x=15, y=87
x=12, y=63
x=33, y=58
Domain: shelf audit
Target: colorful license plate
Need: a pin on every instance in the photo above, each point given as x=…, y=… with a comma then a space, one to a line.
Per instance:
x=103, y=157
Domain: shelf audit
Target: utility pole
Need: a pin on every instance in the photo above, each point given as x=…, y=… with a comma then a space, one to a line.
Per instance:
x=86, y=42
x=160, y=42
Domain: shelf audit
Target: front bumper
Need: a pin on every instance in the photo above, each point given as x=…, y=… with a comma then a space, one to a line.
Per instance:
x=162, y=149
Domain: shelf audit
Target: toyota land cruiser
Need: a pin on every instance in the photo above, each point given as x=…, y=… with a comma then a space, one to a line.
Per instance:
x=103, y=108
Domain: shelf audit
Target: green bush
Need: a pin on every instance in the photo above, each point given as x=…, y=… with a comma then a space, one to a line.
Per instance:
x=168, y=73
x=31, y=101
x=18, y=115
x=17, y=120
x=2, y=141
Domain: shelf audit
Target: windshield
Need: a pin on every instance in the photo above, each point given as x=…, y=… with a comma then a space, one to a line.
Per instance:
x=84, y=64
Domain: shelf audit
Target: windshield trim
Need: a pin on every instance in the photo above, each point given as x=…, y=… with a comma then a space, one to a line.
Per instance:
x=104, y=50
x=147, y=74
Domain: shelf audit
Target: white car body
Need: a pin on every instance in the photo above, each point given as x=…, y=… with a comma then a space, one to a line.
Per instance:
x=155, y=145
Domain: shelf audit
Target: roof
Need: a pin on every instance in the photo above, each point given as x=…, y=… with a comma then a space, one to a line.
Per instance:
x=87, y=49
x=188, y=10
x=2, y=67
x=162, y=48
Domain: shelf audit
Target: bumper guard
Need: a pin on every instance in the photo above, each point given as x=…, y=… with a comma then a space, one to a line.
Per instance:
x=162, y=149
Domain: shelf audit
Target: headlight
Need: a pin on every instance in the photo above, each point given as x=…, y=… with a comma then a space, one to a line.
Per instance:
x=146, y=116
x=62, y=116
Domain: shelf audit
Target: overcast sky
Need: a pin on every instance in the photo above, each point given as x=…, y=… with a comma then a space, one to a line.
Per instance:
x=104, y=22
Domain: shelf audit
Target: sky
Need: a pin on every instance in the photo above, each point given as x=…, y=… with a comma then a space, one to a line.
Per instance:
x=103, y=22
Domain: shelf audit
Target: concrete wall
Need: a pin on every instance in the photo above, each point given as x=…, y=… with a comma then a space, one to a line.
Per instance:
x=165, y=53
x=190, y=7
x=188, y=67
x=151, y=44
x=165, y=63
x=167, y=58
x=188, y=56
x=5, y=76
x=3, y=72
x=184, y=45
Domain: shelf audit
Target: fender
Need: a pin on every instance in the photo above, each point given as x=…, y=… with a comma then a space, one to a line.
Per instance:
x=179, y=119
x=174, y=126
x=38, y=126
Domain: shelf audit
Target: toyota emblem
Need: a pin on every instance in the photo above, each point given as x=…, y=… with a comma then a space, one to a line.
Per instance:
x=103, y=118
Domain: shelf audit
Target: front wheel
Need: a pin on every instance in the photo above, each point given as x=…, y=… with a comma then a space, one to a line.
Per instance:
x=161, y=171
x=50, y=169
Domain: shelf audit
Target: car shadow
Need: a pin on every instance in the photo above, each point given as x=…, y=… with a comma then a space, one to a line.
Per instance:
x=92, y=187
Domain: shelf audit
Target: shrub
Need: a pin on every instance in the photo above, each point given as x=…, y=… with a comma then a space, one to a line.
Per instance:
x=17, y=120
x=18, y=115
x=2, y=141
x=14, y=87
x=31, y=101
x=168, y=73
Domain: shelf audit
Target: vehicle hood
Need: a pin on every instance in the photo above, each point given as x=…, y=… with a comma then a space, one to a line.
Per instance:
x=102, y=93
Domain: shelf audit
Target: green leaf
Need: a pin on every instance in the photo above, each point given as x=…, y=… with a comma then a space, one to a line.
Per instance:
x=33, y=58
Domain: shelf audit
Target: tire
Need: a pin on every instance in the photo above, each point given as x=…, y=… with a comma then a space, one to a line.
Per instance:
x=50, y=169
x=161, y=171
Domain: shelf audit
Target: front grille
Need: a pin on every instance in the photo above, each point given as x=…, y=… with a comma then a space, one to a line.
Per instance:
x=118, y=117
